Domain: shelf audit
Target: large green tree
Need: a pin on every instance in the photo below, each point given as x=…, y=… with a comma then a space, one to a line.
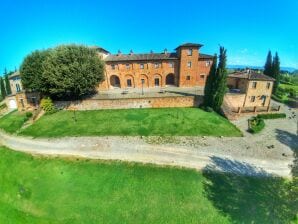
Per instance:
x=72, y=71
x=7, y=84
x=216, y=83
x=268, y=65
x=31, y=70
x=209, y=91
x=221, y=79
x=276, y=71
x=65, y=71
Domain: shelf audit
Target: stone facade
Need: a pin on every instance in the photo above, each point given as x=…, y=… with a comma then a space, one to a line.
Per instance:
x=27, y=101
x=249, y=89
x=186, y=67
x=15, y=83
x=126, y=103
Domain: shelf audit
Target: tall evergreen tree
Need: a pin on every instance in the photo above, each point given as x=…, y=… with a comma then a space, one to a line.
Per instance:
x=221, y=80
x=2, y=88
x=7, y=85
x=276, y=71
x=268, y=65
x=209, y=90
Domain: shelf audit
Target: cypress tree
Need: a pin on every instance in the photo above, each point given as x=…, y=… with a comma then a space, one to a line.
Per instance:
x=268, y=65
x=7, y=85
x=2, y=88
x=221, y=80
x=209, y=90
x=276, y=72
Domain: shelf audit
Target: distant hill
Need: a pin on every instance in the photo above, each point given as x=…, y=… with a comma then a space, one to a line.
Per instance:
x=289, y=69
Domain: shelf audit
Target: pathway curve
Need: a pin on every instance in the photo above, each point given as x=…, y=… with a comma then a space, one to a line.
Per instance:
x=271, y=151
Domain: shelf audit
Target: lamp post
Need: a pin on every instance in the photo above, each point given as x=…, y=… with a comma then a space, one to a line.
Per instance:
x=143, y=86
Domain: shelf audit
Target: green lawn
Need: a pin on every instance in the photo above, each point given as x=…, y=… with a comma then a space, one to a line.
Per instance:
x=288, y=86
x=44, y=190
x=133, y=122
x=12, y=122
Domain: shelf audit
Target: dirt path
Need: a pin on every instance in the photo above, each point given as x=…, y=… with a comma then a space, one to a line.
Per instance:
x=270, y=152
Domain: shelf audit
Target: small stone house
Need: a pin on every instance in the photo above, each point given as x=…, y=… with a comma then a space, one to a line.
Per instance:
x=249, y=90
x=19, y=98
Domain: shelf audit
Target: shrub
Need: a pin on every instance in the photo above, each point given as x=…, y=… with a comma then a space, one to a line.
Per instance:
x=29, y=115
x=256, y=125
x=47, y=105
x=3, y=106
x=272, y=116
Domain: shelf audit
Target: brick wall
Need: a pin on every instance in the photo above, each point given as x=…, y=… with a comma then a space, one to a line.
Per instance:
x=153, y=102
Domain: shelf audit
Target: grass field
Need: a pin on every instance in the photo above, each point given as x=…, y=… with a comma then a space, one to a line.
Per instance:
x=287, y=86
x=133, y=122
x=43, y=190
x=12, y=122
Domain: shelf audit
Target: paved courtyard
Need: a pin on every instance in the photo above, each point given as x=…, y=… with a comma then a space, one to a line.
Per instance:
x=149, y=92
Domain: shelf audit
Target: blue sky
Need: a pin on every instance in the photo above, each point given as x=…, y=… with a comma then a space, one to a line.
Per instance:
x=247, y=28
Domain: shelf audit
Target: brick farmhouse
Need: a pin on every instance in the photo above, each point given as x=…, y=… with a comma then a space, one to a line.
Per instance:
x=186, y=67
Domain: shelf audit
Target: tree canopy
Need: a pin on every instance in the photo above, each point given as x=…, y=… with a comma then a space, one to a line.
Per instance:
x=216, y=84
x=32, y=70
x=272, y=69
x=209, y=90
x=64, y=71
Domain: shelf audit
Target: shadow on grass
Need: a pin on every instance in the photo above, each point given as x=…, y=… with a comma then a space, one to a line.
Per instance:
x=249, y=195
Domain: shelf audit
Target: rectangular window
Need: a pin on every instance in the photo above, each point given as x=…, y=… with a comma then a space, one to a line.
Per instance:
x=142, y=81
x=171, y=64
x=252, y=99
x=127, y=66
x=156, y=65
x=141, y=66
x=268, y=85
x=208, y=63
x=113, y=67
x=189, y=64
x=202, y=76
x=189, y=52
x=18, y=88
x=129, y=83
x=254, y=85
x=188, y=77
x=156, y=81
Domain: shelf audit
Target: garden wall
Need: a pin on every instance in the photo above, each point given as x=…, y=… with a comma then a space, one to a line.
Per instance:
x=126, y=103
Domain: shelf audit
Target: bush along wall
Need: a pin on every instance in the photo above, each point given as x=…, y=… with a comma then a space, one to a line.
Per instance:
x=255, y=125
x=272, y=116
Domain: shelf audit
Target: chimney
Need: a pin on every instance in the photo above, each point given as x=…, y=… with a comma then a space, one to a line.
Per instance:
x=248, y=71
x=119, y=53
x=165, y=51
x=131, y=52
x=151, y=52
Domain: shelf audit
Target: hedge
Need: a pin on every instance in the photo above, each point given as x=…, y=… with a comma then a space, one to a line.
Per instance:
x=272, y=116
x=256, y=125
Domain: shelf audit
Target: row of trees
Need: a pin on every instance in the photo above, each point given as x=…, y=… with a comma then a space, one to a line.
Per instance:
x=216, y=83
x=272, y=69
x=65, y=71
x=5, y=85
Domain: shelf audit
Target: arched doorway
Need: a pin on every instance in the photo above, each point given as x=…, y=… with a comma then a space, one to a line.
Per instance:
x=157, y=80
x=12, y=104
x=115, y=81
x=144, y=81
x=170, y=79
x=130, y=83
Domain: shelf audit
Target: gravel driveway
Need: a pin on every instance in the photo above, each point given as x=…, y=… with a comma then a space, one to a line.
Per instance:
x=270, y=152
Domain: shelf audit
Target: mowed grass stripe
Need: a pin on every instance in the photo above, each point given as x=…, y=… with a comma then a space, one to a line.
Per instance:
x=133, y=122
